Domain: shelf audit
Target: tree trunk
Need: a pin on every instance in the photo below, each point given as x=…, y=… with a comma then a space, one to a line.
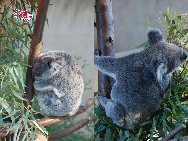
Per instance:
x=105, y=38
x=35, y=45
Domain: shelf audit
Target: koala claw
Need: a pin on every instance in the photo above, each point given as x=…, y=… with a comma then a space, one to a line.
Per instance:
x=97, y=52
x=114, y=110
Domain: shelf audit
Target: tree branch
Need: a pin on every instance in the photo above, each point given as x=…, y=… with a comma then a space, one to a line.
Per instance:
x=35, y=46
x=83, y=122
x=105, y=38
x=174, y=132
x=52, y=120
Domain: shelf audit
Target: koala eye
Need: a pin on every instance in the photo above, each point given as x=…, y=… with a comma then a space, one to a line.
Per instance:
x=184, y=55
x=39, y=72
x=49, y=64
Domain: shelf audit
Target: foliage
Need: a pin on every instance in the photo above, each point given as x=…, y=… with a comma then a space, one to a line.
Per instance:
x=14, y=43
x=174, y=109
x=84, y=134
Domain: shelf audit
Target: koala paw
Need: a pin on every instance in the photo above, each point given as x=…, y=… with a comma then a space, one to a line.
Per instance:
x=97, y=52
x=36, y=85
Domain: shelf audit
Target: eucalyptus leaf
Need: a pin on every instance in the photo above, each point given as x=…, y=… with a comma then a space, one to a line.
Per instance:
x=153, y=128
x=12, y=113
x=18, y=95
x=5, y=105
x=107, y=135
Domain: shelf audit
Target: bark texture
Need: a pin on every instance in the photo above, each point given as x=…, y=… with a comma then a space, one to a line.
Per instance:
x=35, y=45
x=105, y=39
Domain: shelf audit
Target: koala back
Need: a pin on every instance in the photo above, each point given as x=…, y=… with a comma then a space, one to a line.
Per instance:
x=142, y=79
x=58, y=83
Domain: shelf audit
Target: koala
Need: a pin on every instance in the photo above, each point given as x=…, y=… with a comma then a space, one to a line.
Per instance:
x=142, y=80
x=58, y=83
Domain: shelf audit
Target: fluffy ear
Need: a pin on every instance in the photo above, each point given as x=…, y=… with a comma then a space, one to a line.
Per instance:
x=55, y=62
x=155, y=70
x=154, y=36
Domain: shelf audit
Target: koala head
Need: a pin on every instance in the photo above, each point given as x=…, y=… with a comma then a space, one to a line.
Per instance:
x=46, y=67
x=166, y=57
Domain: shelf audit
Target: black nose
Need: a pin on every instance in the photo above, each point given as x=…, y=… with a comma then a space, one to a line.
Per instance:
x=184, y=55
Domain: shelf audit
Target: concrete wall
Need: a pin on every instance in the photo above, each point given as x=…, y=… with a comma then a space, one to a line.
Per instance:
x=71, y=27
x=130, y=19
x=71, y=30
x=130, y=22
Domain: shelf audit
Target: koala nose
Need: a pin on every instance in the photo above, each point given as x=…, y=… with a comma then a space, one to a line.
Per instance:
x=184, y=55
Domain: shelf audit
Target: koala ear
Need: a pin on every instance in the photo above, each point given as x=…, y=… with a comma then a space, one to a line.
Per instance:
x=55, y=63
x=154, y=36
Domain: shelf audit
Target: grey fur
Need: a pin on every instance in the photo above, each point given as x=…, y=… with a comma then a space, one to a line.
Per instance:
x=142, y=80
x=58, y=83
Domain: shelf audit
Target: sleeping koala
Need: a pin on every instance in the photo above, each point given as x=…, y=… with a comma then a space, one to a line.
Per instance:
x=58, y=83
x=142, y=80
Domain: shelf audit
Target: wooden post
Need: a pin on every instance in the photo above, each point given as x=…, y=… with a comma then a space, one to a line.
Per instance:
x=105, y=38
x=35, y=45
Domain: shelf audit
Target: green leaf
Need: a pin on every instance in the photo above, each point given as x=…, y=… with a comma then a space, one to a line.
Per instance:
x=145, y=44
x=19, y=133
x=168, y=12
x=107, y=135
x=40, y=128
x=139, y=132
x=177, y=13
x=18, y=95
x=145, y=123
x=149, y=23
x=12, y=113
x=183, y=108
x=99, y=111
x=181, y=86
x=77, y=58
x=17, y=126
x=126, y=133
x=122, y=138
x=164, y=123
x=100, y=128
x=33, y=134
x=19, y=77
x=164, y=19
x=25, y=119
x=5, y=105
x=13, y=77
x=153, y=128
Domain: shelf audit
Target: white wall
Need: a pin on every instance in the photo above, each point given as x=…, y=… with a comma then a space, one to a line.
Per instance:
x=71, y=30
x=130, y=17
x=71, y=26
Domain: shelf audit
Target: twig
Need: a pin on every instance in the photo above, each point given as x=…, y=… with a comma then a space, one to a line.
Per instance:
x=105, y=39
x=174, y=132
x=35, y=46
x=52, y=120
x=83, y=122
